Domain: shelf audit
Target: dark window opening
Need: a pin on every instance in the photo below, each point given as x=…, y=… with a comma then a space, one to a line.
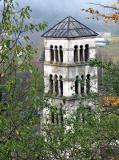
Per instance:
x=0, y=96
x=56, y=85
x=51, y=84
x=81, y=53
x=61, y=114
x=77, y=85
x=88, y=84
x=82, y=85
x=86, y=52
x=75, y=53
x=57, y=117
x=56, y=54
x=61, y=86
x=61, y=54
x=51, y=54
x=52, y=117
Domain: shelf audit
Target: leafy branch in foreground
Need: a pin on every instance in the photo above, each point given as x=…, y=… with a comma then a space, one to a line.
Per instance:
x=85, y=134
x=21, y=90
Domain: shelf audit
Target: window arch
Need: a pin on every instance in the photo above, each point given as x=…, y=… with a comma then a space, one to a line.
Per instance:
x=51, y=53
x=77, y=85
x=56, y=85
x=88, y=84
x=81, y=53
x=61, y=54
x=86, y=52
x=51, y=84
x=75, y=53
x=56, y=54
x=61, y=86
x=82, y=85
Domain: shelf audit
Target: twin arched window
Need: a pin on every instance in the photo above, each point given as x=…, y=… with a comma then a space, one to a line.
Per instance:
x=56, y=85
x=82, y=82
x=56, y=54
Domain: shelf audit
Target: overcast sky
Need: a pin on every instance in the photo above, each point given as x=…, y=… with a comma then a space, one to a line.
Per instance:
x=52, y=11
x=59, y=8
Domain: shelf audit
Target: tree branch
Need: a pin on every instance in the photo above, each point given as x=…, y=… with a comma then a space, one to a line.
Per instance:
x=105, y=6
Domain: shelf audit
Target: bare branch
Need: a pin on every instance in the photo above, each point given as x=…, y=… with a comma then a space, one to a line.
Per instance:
x=105, y=6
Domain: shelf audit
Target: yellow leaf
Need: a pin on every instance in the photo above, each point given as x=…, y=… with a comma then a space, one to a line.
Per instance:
x=17, y=132
x=2, y=75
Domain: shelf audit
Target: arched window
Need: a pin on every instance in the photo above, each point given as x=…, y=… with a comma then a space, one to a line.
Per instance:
x=61, y=86
x=82, y=85
x=81, y=53
x=88, y=84
x=61, y=54
x=52, y=116
x=56, y=85
x=51, y=84
x=75, y=53
x=0, y=96
x=56, y=54
x=77, y=85
x=61, y=114
x=51, y=54
x=57, y=117
x=86, y=52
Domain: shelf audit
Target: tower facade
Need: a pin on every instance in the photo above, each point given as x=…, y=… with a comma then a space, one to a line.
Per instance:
x=69, y=45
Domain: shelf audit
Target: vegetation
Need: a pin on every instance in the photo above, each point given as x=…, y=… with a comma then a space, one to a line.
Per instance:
x=86, y=134
x=110, y=52
x=113, y=16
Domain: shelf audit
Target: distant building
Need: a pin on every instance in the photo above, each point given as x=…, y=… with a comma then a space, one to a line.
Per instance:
x=100, y=42
x=103, y=39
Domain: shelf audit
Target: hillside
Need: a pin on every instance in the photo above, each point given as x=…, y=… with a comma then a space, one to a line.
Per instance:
x=111, y=51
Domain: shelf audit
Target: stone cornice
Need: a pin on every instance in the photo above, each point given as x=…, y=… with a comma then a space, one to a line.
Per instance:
x=71, y=49
x=66, y=65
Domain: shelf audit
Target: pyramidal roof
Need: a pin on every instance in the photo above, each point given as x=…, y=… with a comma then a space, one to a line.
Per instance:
x=69, y=28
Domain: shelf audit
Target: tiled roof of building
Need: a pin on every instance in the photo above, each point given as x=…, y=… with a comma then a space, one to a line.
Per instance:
x=69, y=28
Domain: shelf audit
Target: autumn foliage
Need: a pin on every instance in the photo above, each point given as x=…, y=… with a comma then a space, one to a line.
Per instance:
x=113, y=16
x=110, y=101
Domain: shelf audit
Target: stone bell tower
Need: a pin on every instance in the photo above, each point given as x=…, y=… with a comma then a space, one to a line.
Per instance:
x=68, y=47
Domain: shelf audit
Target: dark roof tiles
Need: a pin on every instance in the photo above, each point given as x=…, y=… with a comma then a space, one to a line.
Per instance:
x=69, y=28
